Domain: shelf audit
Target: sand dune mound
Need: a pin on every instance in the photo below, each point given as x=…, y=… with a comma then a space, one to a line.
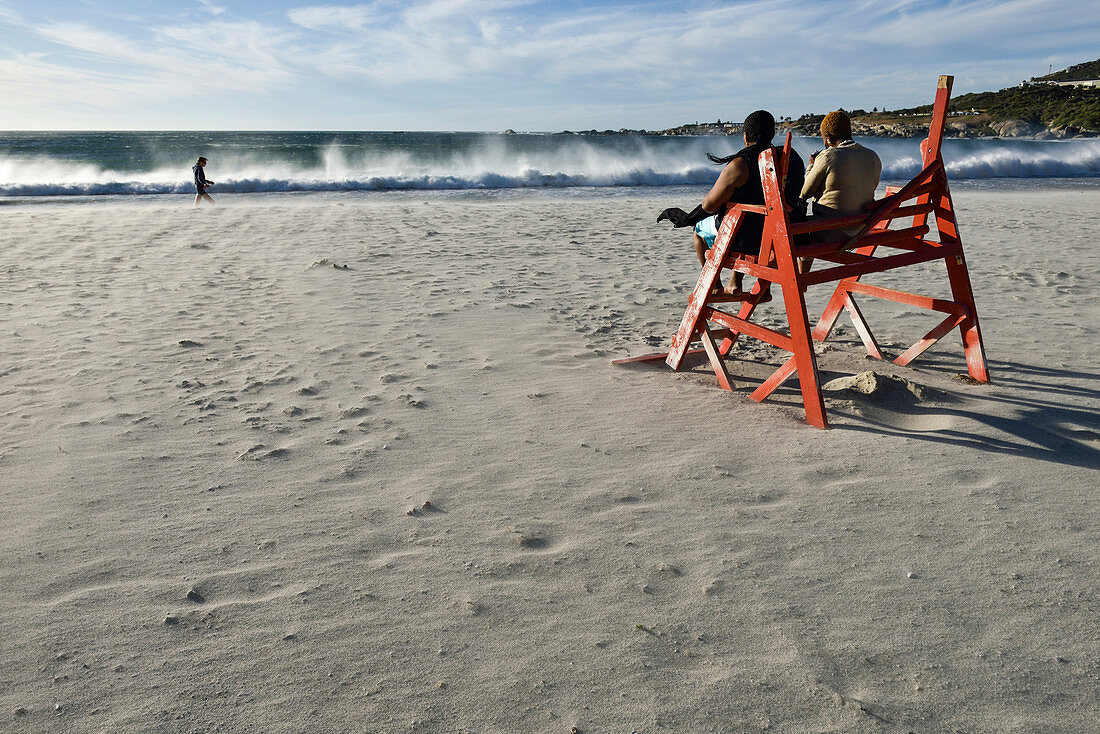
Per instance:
x=883, y=390
x=889, y=400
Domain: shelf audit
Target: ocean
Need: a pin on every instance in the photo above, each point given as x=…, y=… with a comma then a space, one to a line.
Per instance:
x=80, y=166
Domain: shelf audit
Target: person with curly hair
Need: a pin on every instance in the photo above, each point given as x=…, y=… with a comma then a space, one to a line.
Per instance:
x=843, y=177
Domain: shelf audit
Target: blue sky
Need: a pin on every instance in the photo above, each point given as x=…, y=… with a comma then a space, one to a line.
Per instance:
x=496, y=64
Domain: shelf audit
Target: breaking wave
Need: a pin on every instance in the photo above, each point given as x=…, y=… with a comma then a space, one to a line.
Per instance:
x=501, y=162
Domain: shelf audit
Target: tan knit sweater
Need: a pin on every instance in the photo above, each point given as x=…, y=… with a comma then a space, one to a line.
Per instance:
x=842, y=179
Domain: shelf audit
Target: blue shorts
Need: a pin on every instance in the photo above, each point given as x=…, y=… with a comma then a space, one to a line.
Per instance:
x=705, y=229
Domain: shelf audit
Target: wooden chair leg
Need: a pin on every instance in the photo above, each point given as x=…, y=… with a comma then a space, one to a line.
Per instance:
x=708, y=277
x=831, y=313
x=929, y=339
x=838, y=301
x=971, y=332
x=716, y=362
x=802, y=341
x=861, y=326
x=778, y=377
x=961, y=291
x=805, y=359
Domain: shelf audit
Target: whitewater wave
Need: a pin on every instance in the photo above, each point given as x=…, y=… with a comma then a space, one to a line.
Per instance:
x=483, y=181
x=1081, y=160
x=638, y=162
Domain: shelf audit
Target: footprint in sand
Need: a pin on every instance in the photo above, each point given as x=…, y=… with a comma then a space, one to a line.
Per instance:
x=411, y=402
x=257, y=453
x=767, y=497
x=532, y=540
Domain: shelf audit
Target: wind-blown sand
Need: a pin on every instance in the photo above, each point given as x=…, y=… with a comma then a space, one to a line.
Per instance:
x=189, y=404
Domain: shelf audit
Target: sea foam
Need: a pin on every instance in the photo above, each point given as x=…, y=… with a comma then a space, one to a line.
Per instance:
x=504, y=162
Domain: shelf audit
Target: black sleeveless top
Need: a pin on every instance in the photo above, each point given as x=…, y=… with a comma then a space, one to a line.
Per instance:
x=749, y=233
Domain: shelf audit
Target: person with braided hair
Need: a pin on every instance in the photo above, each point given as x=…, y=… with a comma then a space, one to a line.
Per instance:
x=739, y=183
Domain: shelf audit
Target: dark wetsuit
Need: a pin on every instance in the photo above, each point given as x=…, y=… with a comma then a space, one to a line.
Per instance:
x=200, y=179
x=751, y=230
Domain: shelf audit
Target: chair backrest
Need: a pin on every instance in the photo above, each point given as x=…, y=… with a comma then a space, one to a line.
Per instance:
x=930, y=148
x=784, y=164
x=931, y=157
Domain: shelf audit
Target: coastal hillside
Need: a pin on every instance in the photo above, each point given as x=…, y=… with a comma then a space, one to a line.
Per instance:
x=1057, y=106
x=1076, y=73
x=1062, y=105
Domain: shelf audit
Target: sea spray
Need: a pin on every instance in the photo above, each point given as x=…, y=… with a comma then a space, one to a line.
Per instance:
x=66, y=164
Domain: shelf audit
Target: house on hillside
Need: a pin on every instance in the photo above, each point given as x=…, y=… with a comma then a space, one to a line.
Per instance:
x=1078, y=75
x=1079, y=83
x=1050, y=83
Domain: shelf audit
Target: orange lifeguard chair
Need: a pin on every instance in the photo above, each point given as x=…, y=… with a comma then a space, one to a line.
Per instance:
x=848, y=261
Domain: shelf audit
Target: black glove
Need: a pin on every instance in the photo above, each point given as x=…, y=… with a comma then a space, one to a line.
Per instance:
x=680, y=218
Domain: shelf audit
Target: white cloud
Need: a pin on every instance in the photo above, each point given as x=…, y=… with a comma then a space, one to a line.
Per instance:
x=34, y=82
x=333, y=17
x=453, y=40
x=245, y=46
x=110, y=72
x=210, y=7
x=516, y=54
x=491, y=30
x=9, y=15
x=421, y=14
x=94, y=42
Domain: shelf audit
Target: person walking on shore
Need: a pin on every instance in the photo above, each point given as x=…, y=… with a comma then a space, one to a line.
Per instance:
x=201, y=182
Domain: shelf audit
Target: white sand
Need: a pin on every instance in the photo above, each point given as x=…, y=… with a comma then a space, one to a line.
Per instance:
x=612, y=549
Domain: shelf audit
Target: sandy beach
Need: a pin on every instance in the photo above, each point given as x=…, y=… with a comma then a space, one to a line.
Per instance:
x=287, y=465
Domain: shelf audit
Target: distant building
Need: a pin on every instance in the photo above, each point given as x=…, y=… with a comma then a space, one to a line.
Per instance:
x=1074, y=83
x=1080, y=83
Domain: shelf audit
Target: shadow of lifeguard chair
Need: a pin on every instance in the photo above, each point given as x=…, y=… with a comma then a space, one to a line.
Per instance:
x=848, y=260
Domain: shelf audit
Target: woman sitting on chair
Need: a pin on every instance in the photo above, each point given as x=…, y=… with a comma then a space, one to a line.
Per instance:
x=842, y=178
x=739, y=183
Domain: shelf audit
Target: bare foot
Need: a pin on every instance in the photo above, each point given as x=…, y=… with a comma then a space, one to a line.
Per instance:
x=736, y=292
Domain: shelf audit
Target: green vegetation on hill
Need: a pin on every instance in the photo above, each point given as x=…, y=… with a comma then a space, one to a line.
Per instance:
x=1065, y=111
x=1048, y=105
x=1076, y=73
